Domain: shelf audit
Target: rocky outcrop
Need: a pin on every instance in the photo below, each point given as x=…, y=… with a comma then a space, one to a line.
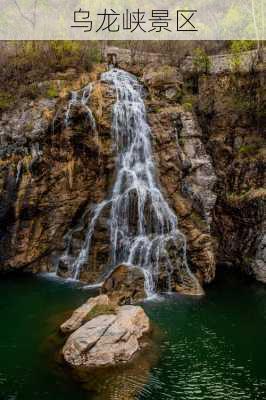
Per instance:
x=259, y=263
x=47, y=172
x=232, y=117
x=164, y=85
x=211, y=169
x=107, y=339
x=125, y=284
x=48, y=200
x=198, y=173
x=79, y=315
x=185, y=171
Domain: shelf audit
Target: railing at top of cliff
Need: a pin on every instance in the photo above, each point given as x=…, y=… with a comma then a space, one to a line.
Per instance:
x=143, y=229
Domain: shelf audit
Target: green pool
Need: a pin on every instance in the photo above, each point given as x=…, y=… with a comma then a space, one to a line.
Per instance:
x=209, y=348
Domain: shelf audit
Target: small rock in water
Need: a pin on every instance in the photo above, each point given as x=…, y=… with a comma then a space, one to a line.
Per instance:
x=125, y=284
x=108, y=339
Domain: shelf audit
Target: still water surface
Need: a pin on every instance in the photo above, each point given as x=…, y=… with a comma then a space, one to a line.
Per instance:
x=209, y=348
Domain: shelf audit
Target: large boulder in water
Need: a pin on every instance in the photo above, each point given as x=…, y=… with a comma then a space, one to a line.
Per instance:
x=125, y=284
x=107, y=339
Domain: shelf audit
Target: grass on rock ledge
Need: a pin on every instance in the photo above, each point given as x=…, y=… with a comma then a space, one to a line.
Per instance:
x=101, y=309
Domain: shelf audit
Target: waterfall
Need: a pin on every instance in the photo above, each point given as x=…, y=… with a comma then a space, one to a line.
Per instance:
x=80, y=98
x=143, y=229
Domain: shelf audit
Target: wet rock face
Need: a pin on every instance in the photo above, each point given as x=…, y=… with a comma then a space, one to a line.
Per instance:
x=259, y=263
x=230, y=111
x=49, y=193
x=51, y=174
x=107, y=339
x=187, y=177
x=210, y=167
x=125, y=285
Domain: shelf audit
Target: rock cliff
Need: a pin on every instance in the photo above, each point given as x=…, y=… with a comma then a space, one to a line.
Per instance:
x=211, y=168
x=49, y=174
x=231, y=111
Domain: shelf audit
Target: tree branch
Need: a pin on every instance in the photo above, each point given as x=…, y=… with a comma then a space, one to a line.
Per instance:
x=31, y=21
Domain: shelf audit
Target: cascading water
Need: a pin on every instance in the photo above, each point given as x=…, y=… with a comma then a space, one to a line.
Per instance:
x=80, y=97
x=143, y=229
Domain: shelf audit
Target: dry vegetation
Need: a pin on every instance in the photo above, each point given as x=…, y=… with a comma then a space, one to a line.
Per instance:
x=24, y=64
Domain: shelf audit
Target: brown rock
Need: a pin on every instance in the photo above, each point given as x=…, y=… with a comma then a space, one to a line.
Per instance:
x=51, y=174
x=231, y=116
x=161, y=75
x=187, y=166
x=125, y=284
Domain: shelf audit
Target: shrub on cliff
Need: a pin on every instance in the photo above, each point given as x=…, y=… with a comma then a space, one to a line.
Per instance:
x=27, y=63
x=201, y=61
x=237, y=48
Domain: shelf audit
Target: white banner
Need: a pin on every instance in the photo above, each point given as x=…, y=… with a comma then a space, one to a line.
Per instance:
x=132, y=20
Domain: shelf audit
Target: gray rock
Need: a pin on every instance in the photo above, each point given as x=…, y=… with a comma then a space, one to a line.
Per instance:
x=171, y=94
x=107, y=339
x=259, y=263
x=26, y=122
x=200, y=179
x=78, y=316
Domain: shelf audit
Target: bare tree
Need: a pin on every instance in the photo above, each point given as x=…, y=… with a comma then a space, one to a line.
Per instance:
x=31, y=20
x=259, y=44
